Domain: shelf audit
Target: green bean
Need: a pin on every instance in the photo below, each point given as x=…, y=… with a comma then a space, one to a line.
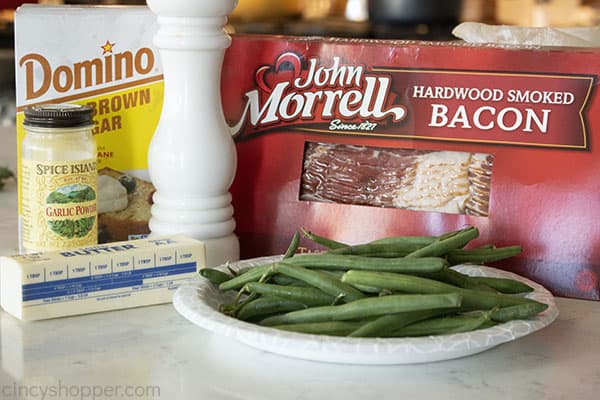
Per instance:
x=395, y=286
x=419, y=241
x=215, y=276
x=520, y=311
x=367, y=307
x=372, y=289
x=239, y=271
x=487, y=324
x=472, y=299
x=504, y=285
x=362, y=288
x=482, y=255
x=339, y=273
x=323, y=241
x=264, y=306
x=443, y=245
x=399, y=246
x=331, y=328
x=291, y=250
x=453, y=277
x=444, y=325
x=386, y=324
x=378, y=250
x=346, y=262
x=305, y=295
x=390, y=280
x=232, y=309
x=450, y=234
x=332, y=272
x=477, y=300
x=325, y=282
x=395, y=246
x=252, y=275
x=280, y=279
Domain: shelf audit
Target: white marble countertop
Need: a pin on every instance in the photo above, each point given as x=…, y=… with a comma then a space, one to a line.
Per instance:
x=153, y=352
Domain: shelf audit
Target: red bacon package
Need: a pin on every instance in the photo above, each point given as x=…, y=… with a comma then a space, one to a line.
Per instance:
x=361, y=139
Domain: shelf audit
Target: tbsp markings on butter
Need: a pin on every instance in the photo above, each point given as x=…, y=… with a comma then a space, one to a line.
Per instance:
x=97, y=278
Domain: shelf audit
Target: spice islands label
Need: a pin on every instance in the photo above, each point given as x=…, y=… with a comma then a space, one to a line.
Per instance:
x=59, y=204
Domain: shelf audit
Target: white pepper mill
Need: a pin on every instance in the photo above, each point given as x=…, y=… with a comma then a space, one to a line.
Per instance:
x=192, y=157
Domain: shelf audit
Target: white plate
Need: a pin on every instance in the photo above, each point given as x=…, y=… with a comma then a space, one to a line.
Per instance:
x=198, y=301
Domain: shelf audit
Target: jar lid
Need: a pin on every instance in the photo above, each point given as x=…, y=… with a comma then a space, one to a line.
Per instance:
x=58, y=116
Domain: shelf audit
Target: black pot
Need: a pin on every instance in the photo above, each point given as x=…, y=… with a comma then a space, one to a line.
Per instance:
x=414, y=11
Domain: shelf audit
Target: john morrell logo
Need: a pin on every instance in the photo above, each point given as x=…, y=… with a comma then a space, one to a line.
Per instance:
x=110, y=66
x=292, y=90
x=326, y=95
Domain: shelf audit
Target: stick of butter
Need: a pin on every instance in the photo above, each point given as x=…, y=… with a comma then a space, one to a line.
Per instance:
x=97, y=278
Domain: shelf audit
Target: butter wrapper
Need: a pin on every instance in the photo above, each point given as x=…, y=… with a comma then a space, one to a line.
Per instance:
x=97, y=278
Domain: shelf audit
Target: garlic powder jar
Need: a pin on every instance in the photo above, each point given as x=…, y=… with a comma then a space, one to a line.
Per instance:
x=58, y=179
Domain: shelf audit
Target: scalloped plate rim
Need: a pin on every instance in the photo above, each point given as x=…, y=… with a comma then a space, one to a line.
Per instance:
x=192, y=302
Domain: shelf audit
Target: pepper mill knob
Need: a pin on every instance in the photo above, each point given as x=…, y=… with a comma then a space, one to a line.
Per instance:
x=192, y=157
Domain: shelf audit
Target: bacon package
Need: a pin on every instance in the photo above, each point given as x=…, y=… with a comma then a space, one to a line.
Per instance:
x=361, y=139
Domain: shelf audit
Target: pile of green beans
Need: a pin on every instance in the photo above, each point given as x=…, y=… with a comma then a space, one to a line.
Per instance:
x=393, y=287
